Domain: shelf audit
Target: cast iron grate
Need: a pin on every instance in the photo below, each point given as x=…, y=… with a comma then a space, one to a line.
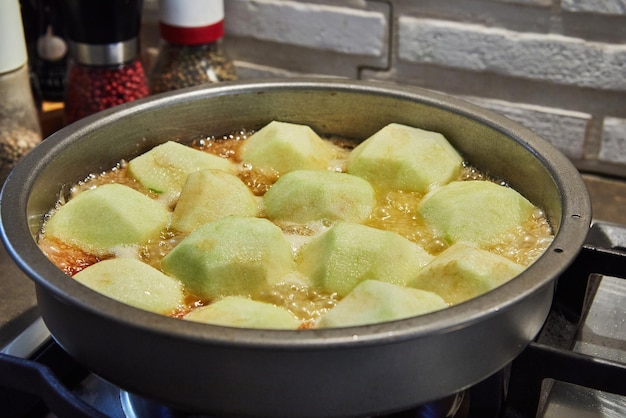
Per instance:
x=550, y=356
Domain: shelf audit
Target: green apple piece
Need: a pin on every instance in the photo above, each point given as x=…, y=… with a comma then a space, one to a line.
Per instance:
x=109, y=216
x=463, y=272
x=164, y=169
x=242, y=312
x=348, y=253
x=400, y=157
x=135, y=283
x=209, y=195
x=281, y=147
x=308, y=195
x=231, y=256
x=373, y=301
x=475, y=211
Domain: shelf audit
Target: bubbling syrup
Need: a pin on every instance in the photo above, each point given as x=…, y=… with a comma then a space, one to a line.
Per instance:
x=395, y=211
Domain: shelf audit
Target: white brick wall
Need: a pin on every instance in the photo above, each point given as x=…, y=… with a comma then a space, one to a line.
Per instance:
x=340, y=29
x=563, y=129
x=613, y=148
x=610, y=7
x=556, y=66
x=529, y=2
x=544, y=57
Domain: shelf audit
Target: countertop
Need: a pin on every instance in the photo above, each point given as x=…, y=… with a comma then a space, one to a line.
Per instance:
x=18, y=306
x=608, y=198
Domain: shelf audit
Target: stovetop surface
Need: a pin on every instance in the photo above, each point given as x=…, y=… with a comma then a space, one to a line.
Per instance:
x=19, y=305
x=602, y=333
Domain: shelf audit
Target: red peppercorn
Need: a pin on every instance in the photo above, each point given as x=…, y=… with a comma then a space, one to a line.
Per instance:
x=92, y=89
x=105, y=69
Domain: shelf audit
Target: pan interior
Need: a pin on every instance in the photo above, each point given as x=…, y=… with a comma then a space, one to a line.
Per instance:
x=353, y=110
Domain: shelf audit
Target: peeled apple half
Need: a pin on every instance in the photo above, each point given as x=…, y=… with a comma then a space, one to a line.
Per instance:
x=463, y=272
x=400, y=157
x=133, y=282
x=373, y=301
x=347, y=254
x=164, y=169
x=108, y=217
x=480, y=212
x=281, y=147
x=231, y=256
x=313, y=195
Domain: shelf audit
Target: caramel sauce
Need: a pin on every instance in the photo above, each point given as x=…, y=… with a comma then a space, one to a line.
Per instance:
x=66, y=257
x=395, y=211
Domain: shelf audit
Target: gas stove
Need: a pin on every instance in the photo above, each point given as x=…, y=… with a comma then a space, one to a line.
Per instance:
x=576, y=366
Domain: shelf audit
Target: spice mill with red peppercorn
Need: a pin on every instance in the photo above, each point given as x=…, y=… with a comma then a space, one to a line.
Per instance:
x=105, y=68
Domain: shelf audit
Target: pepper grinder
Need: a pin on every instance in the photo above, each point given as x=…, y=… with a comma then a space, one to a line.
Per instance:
x=105, y=68
x=190, y=52
x=19, y=123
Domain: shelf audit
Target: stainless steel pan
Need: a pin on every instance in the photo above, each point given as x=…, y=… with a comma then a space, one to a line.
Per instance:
x=314, y=373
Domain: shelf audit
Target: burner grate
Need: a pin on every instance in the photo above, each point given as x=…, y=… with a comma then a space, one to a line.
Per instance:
x=43, y=384
x=551, y=357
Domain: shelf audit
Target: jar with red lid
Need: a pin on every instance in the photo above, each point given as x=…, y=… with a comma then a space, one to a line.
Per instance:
x=191, y=51
x=105, y=67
